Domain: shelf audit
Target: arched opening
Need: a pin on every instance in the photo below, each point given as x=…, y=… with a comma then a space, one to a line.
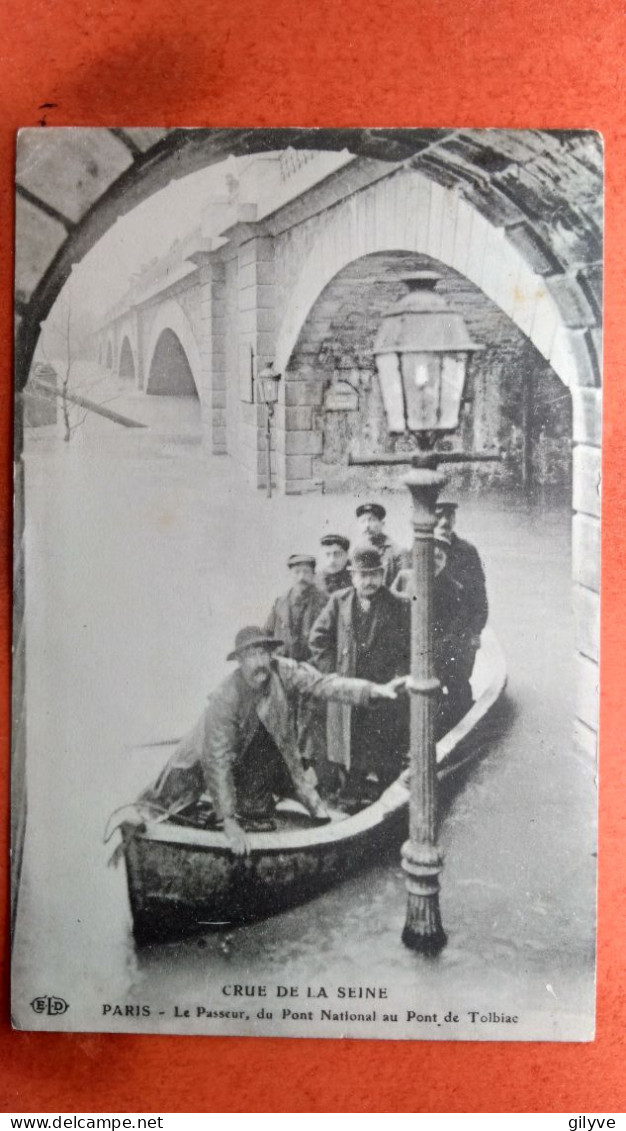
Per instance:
x=515, y=401
x=170, y=372
x=109, y=361
x=127, y=361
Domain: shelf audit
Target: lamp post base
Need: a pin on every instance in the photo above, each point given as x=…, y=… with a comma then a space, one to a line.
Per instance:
x=423, y=929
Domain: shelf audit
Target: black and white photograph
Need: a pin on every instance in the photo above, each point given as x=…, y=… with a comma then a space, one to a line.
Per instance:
x=307, y=582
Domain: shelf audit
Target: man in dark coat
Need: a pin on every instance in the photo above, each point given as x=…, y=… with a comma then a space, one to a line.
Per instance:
x=243, y=750
x=335, y=572
x=294, y=613
x=291, y=619
x=465, y=567
x=371, y=519
x=365, y=632
x=449, y=624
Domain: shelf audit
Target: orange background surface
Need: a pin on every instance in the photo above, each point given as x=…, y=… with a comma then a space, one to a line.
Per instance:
x=351, y=63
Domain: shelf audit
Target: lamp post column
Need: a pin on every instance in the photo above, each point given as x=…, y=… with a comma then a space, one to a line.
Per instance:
x=422, y=859
x=268, y=449
x=268, y=382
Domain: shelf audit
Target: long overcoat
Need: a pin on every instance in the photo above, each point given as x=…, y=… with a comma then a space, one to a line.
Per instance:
x=333, y=647
x=206, y=757
x=465, y=566
x=282, y=621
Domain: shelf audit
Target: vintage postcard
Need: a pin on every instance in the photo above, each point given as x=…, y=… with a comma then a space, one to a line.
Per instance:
x=307, y=574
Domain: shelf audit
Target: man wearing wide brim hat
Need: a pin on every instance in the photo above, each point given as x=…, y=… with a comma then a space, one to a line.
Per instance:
x=364, y=632
x=243, y=752
x=371, y=519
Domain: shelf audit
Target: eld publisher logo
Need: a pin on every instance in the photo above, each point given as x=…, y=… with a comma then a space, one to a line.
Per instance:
x=53, y=1006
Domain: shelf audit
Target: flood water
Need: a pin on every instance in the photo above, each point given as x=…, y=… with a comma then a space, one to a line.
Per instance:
x=144, y=557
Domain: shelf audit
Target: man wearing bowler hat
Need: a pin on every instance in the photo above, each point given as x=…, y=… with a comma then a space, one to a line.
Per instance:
x=465, y=567
x=371, y=520
x=243, y=751
x=335, y=573
x=365, y=632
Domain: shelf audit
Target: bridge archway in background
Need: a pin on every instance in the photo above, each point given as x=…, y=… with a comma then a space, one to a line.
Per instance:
x=127, y=361
x=170, y=373
x=516, y=402
x=175, y=366
x=109, y=357
x=390, y=216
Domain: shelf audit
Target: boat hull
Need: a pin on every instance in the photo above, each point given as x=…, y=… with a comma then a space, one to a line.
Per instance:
x=183, y=880
x=179, y=888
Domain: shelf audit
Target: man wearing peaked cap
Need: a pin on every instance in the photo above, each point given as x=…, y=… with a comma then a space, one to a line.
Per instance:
x=243, y=751
x=466, y=569
x=334, y=574
x=375, y=509
x=371, y=519
x=365, y=632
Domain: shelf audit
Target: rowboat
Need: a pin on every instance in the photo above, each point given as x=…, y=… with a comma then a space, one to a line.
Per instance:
x=184, y=879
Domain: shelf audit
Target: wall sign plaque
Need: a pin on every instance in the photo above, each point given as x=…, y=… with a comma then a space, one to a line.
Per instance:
x=341, y=397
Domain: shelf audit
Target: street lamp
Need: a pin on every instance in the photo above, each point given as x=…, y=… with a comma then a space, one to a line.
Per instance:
x=268, y=382
x=422, y=351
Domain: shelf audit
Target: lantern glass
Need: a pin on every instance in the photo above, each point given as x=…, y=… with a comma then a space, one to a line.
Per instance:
x=269, y=382
x=390, y=378
x=422, y=392
x=453, y=372
x=421, y=378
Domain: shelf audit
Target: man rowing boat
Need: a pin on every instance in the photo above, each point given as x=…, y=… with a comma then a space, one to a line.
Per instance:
x=243, y=751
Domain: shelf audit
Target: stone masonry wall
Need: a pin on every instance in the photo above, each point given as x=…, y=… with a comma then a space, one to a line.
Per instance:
x=586, y=563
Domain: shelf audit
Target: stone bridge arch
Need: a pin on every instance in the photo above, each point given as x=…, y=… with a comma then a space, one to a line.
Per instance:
x=410, y=213
x=413, y=213
x=171, y=323
x=109, y=353
x=127, y=367
x=515, y=401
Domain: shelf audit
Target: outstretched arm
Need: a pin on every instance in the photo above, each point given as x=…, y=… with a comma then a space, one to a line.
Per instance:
x=307, y=680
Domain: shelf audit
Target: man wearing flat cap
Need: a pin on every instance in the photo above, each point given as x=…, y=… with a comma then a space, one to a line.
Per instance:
x=465, y=567
x=291, y=619
x=334, y=574
x=371, y=520
x=243, y=751
x=365, y=632
x=294, y=613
